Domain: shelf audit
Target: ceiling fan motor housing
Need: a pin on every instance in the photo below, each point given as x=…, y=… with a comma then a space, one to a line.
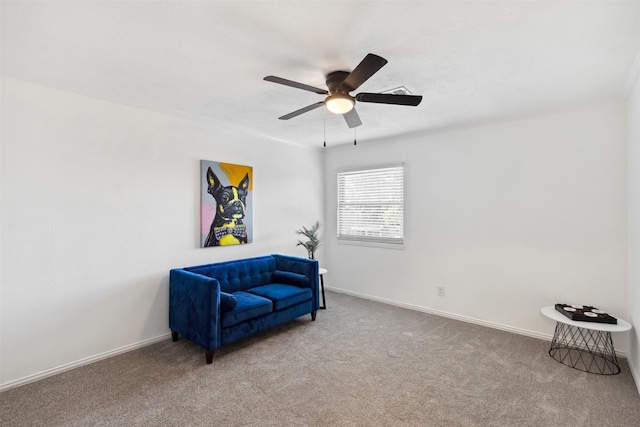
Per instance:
x=334, y=81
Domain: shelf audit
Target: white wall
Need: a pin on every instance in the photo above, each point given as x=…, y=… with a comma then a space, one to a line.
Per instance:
x=99, y=201
x=507, y=217
x=634, y=228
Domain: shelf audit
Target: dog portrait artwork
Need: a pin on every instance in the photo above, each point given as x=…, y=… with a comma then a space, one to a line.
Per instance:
x=226, y=218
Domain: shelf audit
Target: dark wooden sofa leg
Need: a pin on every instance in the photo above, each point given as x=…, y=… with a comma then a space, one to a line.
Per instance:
x=209, y=356
x=174, y=335
x=313, y=315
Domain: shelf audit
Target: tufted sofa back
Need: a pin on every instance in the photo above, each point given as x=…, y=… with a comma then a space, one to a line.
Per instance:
x=239, y=275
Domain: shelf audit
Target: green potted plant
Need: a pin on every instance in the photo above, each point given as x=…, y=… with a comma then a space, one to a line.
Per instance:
x=313, y=243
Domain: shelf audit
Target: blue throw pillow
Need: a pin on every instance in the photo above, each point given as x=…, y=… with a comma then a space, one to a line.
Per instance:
x=227, y=302
x=288, y=278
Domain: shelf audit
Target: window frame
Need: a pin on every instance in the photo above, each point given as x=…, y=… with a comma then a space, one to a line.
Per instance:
x=364, y=240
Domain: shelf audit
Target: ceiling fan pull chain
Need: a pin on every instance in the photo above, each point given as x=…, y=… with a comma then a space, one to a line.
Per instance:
x=325, y=126
x=354, y=136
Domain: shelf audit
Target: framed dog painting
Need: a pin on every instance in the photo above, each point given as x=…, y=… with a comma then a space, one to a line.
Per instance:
x=225, y=204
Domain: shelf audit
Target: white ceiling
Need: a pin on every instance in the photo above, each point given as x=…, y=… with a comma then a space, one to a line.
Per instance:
x=473, y=62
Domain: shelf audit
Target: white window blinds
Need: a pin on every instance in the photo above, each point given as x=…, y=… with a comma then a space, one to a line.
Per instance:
x=371, y=205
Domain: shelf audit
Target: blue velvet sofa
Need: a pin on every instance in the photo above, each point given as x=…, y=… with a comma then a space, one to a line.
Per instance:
x=216, y=304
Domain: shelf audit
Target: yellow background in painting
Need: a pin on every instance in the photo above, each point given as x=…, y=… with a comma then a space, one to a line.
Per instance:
x=235, y=173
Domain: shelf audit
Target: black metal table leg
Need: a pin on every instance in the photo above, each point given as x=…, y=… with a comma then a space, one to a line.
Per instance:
x=324, y=303
x=584, y=349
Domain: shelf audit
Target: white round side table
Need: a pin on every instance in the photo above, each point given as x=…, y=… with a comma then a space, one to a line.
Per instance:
x=586, y=346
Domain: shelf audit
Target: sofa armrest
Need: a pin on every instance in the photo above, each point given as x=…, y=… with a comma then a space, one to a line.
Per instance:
x=194, y=312
x=307, y=267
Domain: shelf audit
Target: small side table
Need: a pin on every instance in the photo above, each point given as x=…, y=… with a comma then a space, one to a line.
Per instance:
x=586, y=346
x=323, y=271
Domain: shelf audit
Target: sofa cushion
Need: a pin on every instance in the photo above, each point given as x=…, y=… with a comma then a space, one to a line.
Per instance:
x=282, y=295
x=289, y=278
x=248, y=306
x=227, y=302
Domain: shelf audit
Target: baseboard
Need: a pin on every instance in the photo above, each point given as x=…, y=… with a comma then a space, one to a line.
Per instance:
x=141, y=344
x=506, y=328
x=82, y=362
x=635, y=375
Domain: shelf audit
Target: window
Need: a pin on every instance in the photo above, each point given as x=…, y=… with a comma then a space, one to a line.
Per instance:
x=371, y=205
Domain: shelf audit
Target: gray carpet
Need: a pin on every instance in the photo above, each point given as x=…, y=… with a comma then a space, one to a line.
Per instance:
x=361, y=363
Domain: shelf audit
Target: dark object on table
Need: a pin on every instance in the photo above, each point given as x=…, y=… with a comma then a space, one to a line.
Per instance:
x=586, y=313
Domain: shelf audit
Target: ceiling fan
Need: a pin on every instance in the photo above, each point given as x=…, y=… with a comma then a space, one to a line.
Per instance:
x=340, y=83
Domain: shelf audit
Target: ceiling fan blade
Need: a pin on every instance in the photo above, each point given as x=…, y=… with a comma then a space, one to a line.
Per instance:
x=297, y=85
x=365, y=69
x=302, y=110
x=352, y=118
x=389, y=98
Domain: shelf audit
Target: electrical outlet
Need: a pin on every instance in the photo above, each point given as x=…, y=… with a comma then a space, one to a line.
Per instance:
x=440, y=291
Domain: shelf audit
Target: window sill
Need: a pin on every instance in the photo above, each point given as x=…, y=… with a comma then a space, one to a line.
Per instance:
x=397, y=246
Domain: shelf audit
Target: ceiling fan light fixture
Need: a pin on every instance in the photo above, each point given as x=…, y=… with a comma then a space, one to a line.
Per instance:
x=339, y=103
